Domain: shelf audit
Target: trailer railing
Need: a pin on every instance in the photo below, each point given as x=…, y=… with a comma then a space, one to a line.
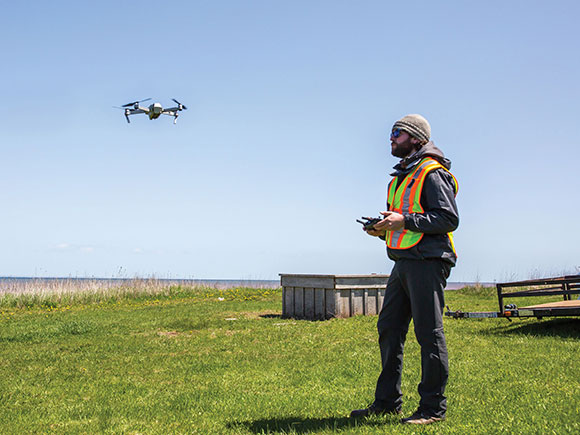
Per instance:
x=565, y=286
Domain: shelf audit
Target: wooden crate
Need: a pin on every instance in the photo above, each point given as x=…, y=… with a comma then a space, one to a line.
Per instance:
x=318, y=297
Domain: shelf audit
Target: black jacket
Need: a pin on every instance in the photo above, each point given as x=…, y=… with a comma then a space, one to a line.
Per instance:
x=440, y=210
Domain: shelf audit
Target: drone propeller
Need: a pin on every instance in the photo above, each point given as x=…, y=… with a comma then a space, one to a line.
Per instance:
x=181, y=106
x=134, y=102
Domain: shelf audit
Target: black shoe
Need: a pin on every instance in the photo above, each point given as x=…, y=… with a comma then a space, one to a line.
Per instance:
x=420, y=417
x=374, y=410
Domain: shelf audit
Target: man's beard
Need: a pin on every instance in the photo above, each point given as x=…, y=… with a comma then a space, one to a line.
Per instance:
x=403, y=149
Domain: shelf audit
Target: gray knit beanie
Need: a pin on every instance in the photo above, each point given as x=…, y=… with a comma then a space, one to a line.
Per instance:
x=416, y=126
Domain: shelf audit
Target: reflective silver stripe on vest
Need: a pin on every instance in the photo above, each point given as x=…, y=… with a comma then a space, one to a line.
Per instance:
x=395, y=236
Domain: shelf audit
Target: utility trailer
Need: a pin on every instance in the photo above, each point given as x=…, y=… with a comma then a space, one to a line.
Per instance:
x=566, y=286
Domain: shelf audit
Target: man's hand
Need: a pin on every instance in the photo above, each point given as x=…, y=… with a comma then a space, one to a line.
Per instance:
x=368, y=226
x=392, y=221
x=375, y=233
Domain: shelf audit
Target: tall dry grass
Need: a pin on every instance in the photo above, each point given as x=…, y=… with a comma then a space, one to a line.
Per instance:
x=59, y=292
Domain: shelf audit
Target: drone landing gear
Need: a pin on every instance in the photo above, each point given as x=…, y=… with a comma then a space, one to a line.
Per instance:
x=175, y=118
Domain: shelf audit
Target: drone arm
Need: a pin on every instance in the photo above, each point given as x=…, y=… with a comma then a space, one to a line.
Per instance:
x=136, y=111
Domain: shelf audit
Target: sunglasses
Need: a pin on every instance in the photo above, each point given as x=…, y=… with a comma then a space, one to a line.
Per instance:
x=396, y=132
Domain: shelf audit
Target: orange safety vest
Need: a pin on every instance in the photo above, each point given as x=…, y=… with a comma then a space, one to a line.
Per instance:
x=405, y=198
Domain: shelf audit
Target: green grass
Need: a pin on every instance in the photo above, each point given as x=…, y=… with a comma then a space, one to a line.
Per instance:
x=205, y=361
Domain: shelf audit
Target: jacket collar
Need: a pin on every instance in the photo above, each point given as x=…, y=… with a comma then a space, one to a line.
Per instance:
x=407, y=164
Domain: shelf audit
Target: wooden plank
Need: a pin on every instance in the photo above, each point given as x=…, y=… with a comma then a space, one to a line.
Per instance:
x=298, y=302
x=364, y=301
x=373, y=275
x=343, y=303
x=570, y=303
x=319, y=303
x=330, y=304
x=314, y=281
x=357, y=298
x=371, y=302
x=287, y=304
x=359, y=287
x=309, y=303
x=361, y=281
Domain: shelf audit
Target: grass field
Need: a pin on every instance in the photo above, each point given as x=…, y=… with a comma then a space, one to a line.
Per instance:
x=207, y=361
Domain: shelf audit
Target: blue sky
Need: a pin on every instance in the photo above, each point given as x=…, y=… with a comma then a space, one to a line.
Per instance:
x=284, y=144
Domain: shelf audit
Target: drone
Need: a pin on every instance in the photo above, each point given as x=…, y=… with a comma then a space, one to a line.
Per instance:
x=154, y=110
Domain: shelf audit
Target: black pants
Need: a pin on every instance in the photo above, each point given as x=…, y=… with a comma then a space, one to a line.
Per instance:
x=414, y=290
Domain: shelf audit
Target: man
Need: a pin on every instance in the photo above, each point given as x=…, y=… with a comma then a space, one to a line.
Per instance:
x=417, y=228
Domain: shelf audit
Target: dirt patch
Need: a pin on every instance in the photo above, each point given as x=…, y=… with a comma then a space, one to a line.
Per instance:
x=168, y=333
